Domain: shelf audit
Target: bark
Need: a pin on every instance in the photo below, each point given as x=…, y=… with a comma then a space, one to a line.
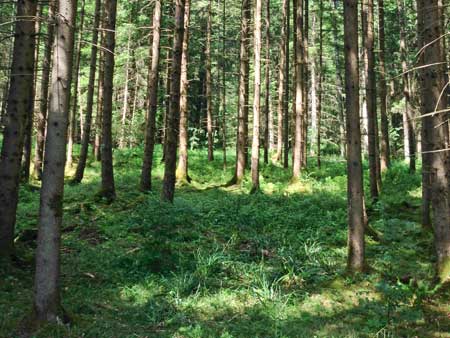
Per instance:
x=89, y=99
x=182, y=170
x=286, y=89
x=267, y=115
x=152, y=102
x=409, y=142
x=370, y=93
x=436, y=131
x=99, y=114
x=354, y=166
x=108, y=187
x=256, y=97
x=47, y=304
x=304, y=135
x=209, y=106
x=385, y=156
x=173, y=117
x=73, y=115
x=43, y=105
x=242, y=132
x=299, y=91
x=320, y=87
x=18, y=112
x=122, y=141
x=224, y=88
x=166, y=101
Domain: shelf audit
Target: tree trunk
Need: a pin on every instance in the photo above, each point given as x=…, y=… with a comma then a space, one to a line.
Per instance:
x=152, y=101
x=108, y=188
x=122, y=141
x=99, y=114
x=304, y=133
x=47, y=303
x=286, y=4
x=371, y=98
x=209, y=107
x=73, y=115
x=90, y=98
x=299, y=91
x=42, y=114
x=166, y=101
x=385, y=148
x=354, y=166
x=267, y=115
x=409, y=142
x=182, y=170
x=18, y=112
x=256, y=97
x=242, y=132
x=224, y=88
x=173, y=117
x=436, y=131
x=320, y=86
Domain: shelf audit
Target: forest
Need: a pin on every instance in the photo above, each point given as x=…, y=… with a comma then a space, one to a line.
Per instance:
x=224, y=168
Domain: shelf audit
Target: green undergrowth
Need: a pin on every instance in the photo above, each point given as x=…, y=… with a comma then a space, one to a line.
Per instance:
x=220, y=262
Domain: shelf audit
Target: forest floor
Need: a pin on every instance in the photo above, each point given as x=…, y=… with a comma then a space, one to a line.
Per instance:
x=222, y=263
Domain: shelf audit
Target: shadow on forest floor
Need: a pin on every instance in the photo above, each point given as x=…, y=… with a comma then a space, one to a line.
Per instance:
x=222, y=263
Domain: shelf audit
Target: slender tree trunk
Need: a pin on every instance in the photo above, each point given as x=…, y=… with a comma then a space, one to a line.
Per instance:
x=182, y=170
x=242, y=132
x=354, y=165
x=224, y=87
x=286, y=90
x=47, y=303
x=108, y=187
x=73, y=116
x=99, y=114
x=166, y=101
x=409, y=142
x=173, y=118
x=152, y=101
x=299, y=91
x=320, y=86
x=209, y=106
x=281, y=83
x=369, y=68
x=436, y=131
x=267, y=116
x=256, y=97
x=385, y=148
x=314, y=80
x=90, y=98
x=18, y=112
x=122, y=141
x=42, y=114
x=26, y=158
x=304, y=133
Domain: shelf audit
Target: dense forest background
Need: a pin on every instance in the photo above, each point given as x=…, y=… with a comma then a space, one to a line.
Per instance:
x=224, y=168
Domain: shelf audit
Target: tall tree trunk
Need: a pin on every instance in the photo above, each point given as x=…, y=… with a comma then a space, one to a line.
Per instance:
x=436, y=130
x=166, y=101
x=182, y=170
x=47, y=303
x=286, y=89
x=122, y=141
x=45, y=77
x=18, y=112
x=108, y=187
x=304, y=133
x=409, y=142
x=320, y=86
x=354, y=165
x=209, y=106
x=267, y=115
x=173, y=118
x=371, y=98
x=385, y=155
x=242, y=132
x=90, y=98
x=281, y=83
x=224, y=87
x=256, y=97
x=152, y=101
x=27, y=148
x=99, y=114
x=299, y=91
x=73, y=116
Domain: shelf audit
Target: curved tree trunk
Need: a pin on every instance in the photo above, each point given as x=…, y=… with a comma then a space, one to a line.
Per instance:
x=256, y=97
x=90, y=98
x=354, y=162
x=108, y=188
x=18, y=112
x=173, y=118
x=47, y=303
x=182, y=170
